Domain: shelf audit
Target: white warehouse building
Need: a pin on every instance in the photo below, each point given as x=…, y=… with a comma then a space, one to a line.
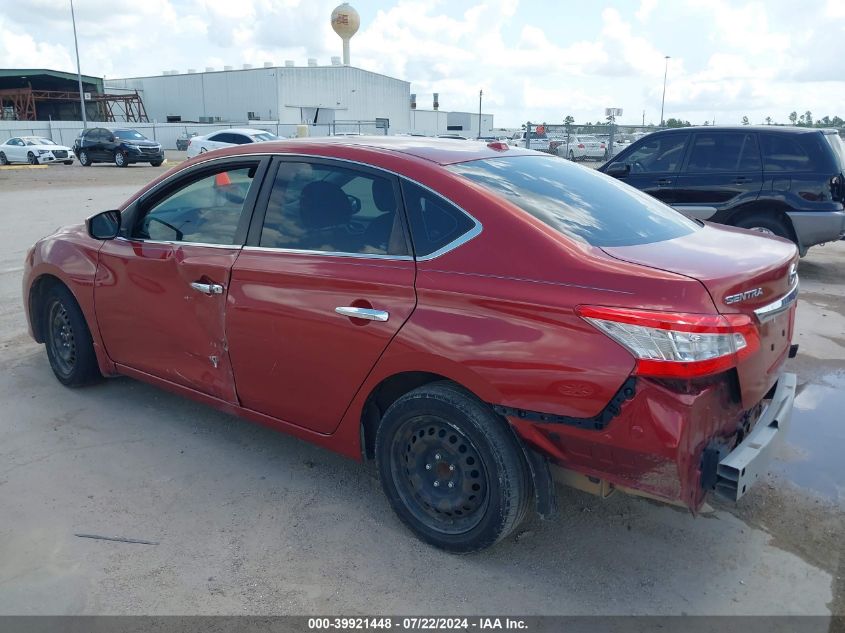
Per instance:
x=315, y=95
x=288, y=94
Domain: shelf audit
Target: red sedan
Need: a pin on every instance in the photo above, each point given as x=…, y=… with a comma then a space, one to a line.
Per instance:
x=479, y=319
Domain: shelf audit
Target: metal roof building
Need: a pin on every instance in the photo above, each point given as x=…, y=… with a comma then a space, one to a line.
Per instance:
x=287, y=94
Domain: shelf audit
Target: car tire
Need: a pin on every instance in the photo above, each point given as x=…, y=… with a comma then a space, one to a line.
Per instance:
x=68, y=162
x=451, y=468
x=571, y=155
x=84, y=160
x=70, y=349
x=31, y=159
x=120, y=159
x=768, y=224
x=3, y=159
x=156, y=163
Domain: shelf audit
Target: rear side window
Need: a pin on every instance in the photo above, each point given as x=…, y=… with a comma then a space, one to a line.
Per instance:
x=333, y=209
x=435, y=224
x=784, y=153
x=658, y=154
x=724, y=152
x=580, y=203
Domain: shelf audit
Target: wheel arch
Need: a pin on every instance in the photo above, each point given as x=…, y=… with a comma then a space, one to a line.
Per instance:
x=35, y=304
x=770, y=207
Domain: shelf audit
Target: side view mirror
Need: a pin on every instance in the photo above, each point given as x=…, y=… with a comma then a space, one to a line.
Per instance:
x=618, y=170
x=110, y=139
x=104, y=225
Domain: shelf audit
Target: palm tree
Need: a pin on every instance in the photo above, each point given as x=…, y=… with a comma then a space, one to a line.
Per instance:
x=768, y=120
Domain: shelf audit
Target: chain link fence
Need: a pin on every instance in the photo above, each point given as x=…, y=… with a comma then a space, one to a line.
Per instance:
x=65, y=132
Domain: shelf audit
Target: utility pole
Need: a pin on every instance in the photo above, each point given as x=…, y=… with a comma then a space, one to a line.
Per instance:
x=480, y=94
x=643, y=118
x=663, y=101
x=78, y=70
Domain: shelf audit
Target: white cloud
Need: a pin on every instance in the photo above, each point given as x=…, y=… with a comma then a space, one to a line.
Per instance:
x=731, y=57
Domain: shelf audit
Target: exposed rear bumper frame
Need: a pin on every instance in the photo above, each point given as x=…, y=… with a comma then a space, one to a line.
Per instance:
x=736, y=473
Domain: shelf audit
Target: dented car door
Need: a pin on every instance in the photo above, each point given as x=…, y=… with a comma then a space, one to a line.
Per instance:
x=161, y=288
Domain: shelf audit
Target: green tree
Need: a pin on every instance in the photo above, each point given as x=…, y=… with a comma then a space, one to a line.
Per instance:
x=793, y=118
x=768, y=120
x=672, y=122
x=808, y=118
x=745, y=121
x=825, y=121
x=568, y=119
x=837, y=122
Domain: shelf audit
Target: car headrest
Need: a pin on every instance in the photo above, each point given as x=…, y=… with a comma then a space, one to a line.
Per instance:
x=323, y=204
x=383, y=195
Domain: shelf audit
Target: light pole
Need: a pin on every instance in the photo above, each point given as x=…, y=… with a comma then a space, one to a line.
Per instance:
x=480, y=94
x=78, y=71
x=663, y=100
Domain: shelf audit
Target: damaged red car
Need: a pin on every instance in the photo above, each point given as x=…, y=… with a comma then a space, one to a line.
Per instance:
x=478, y=319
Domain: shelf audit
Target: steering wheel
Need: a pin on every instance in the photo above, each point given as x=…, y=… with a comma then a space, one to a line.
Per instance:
x=637, y=167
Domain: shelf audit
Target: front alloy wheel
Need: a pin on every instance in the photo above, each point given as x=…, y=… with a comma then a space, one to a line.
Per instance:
x=32, y=159
x=120, y=159
x=83, y=158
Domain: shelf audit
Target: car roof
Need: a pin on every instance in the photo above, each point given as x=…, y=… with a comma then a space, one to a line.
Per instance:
x=785, y=129
x=241, y=130
x=443, y=151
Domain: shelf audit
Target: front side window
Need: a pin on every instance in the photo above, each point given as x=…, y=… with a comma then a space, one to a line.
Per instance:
x=206, y=209
x=660, y=154
x=333, y=209
x=580, y=203
x=720, y=152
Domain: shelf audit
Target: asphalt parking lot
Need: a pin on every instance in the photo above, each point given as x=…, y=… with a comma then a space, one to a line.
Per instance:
x=246, y=520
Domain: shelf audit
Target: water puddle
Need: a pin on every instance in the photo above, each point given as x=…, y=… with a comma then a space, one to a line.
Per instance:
x=813, y=456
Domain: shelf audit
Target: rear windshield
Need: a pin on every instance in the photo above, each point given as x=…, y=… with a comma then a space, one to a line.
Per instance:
x=578, y=202
x=838, y=145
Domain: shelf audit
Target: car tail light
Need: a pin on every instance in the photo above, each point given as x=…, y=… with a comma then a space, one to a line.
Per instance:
x=580, y=146
x=677, y=345
x=189, y=142
x=602, y=146
x=837, y=189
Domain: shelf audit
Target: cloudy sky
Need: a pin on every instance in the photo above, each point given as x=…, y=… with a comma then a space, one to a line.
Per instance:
x=535, y=60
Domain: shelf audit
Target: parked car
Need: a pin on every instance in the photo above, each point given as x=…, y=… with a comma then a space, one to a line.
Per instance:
x=122, y=147
x=184, y=140
x=475, y=318
x=582, y=147
x=227, y=138
x=538, y=141
x=35, y=150
x=459, y=137
x=780, y=181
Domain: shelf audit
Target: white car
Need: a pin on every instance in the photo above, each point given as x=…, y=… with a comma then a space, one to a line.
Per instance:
x=539, y=140
x=582, y=147
x=227, y=138
x=35, y=150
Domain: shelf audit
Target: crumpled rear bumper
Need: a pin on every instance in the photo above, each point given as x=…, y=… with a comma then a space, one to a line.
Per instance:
x=749, y=460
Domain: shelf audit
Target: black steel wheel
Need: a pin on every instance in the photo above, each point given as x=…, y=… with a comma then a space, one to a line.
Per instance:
x=451, y=468
x=70, y=349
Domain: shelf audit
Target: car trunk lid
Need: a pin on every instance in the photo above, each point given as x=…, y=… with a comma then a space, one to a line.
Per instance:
x=743, y=273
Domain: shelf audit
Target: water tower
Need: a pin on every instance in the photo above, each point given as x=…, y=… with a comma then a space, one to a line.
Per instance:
x=345, y=22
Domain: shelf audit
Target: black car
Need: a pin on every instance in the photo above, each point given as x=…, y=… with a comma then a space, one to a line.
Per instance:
x=121, y=147
x=778, y=180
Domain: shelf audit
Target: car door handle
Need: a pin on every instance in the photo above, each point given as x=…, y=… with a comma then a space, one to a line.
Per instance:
x=661, y=182
x=363, y=313
x=207, y=289
x=739, y=180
